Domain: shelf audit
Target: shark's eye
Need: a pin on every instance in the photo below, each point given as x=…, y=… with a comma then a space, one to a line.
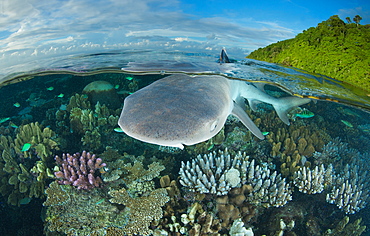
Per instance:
x=213, y=125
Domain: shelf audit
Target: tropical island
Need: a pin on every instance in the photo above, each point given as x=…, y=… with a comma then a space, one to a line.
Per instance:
x=338, y=49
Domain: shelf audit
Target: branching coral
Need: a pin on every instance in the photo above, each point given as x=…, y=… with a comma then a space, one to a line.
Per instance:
x=218, y=173
x=313, y=181
x=79, y=170
x=350, y=191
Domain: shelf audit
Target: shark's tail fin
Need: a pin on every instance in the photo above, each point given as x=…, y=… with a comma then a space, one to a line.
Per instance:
x=285, y=104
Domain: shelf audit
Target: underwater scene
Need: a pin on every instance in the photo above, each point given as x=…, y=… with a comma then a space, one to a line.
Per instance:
x=68, y=168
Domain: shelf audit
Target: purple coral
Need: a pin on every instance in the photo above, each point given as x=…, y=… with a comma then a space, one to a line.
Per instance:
x=79, y=170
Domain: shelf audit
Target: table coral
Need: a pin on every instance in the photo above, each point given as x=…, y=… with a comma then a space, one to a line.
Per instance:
x=142, y=210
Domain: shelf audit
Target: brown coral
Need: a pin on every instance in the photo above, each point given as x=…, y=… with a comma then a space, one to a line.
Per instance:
x=142, y=210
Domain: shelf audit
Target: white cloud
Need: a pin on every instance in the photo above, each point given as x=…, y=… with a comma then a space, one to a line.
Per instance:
x=41, y=28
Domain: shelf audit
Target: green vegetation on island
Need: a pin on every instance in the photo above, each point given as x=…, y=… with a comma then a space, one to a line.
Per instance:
x=333, y=48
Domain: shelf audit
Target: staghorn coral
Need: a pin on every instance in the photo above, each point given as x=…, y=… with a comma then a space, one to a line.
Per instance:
x=79, y=170
x=141, y=210
x=335, y=151
x=313, y=181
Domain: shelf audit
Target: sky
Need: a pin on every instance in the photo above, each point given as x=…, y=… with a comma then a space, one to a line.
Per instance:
x=34, y=29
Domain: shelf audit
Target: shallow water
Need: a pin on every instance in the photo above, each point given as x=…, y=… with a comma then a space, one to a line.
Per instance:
x=337, y=134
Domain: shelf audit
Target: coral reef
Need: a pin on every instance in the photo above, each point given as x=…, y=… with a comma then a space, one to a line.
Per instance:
x=25, y=163
x=313, y=181
x=238, y=229
x=218, y=173
x=41, y=141
x=350, y=191
x=79, y=170
x=212, y=173
x=103, y=92
x=294, y=145
x=141, y=210
x=347, y=229
x=91, y=123
x=129, y=170
x=74, y=212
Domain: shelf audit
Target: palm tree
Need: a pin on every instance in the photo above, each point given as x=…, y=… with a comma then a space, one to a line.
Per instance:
x=348, y=20
x=357, y=19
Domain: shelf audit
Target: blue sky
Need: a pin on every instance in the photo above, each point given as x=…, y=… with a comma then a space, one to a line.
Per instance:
x=36, y=29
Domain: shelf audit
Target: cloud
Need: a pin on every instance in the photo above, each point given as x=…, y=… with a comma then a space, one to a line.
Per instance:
x=44, y=28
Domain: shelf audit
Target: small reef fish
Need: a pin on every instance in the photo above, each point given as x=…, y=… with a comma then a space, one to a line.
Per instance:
x=26, y=147
x=61, y=95
x=347, y=123
x=16, y=104
x=265, y=133
x=50, y=88
x=129, y=78
x=304, y=114
x=118, y=130
x=11, y=124
x=100, y=201
x=2, y=120
x=116, y=86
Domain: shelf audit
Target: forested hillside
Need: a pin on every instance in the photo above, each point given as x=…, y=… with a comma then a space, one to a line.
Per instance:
x=334, y=48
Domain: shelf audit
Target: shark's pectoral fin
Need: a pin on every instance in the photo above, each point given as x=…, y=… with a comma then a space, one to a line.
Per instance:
x=285, y=104
x=244, y=118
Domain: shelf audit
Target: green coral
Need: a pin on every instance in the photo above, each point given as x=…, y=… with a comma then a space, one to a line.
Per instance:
x=23, y=173
x=41, y=140
x=90, y=123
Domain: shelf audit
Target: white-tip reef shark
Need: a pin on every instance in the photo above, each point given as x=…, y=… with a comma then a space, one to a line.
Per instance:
x=183, y=110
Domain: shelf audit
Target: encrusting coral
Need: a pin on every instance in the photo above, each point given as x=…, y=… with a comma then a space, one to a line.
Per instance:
x=141, y=210
x=75, y=212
